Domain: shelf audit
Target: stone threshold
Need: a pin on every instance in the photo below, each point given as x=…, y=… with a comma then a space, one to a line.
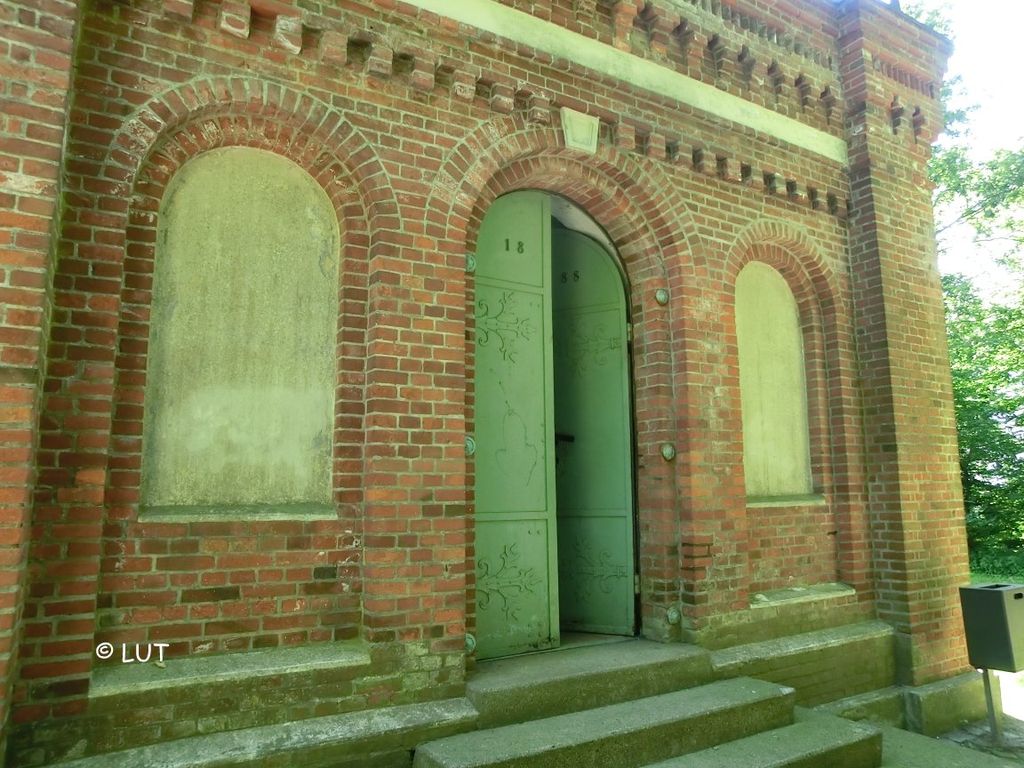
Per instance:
x=730, y=661
x=233, y=513
x=801, y=500
x=790, y=595
x=191, y=671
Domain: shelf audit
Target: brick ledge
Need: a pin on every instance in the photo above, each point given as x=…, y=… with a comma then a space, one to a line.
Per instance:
x=202, y=670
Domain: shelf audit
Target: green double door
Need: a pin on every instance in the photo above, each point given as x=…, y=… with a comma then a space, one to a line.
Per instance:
x=553, y=444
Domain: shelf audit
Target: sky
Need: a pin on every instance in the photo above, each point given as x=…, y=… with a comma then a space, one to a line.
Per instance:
x=986, y=36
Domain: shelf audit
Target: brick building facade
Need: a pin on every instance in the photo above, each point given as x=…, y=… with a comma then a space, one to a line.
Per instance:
x=693, y=137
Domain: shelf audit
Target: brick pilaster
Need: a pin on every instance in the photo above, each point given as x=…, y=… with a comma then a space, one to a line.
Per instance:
x=415, y=499
x=918, y=539
x=36, y=53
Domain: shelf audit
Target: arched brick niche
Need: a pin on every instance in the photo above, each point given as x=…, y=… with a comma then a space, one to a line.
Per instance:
x=819, y=535
x=233, y=566
x=203, y=585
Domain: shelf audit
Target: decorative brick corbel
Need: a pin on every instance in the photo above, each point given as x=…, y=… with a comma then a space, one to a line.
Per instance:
x=660, y=24
x=746, y=62
x=728, y=168
x=896, y=113
x=424, y=66
x=683, y=36
x=776, y=81
x=814, y=198
x=796, y=192
x=181, y=8
x=772, y=183
x=752, y=177
x=803, y=89
x=235, y=18
x=697, y=159
x=832, y=202
x=676, y=153
x=625, y=137
x=623, y=15
x=656, y=146
x=918, y=123
x=422, y=77
x=288, y=33
x=708, y=164
x=538, y=109
x=502, y=98
x=334, y=48
x=584, y=9
x=716, y=49
x=463, y=85
x=381, y=61
x=829, y=102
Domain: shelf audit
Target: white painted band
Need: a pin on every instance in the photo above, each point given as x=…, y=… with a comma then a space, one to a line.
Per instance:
x=519, y=27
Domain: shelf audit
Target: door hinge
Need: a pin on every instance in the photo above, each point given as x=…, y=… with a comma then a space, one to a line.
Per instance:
x=629, y=333
x=636, y=583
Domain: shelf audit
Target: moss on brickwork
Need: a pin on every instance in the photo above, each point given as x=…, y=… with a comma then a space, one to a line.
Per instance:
x=234, y=692
x=821, y=607
x=946, y=705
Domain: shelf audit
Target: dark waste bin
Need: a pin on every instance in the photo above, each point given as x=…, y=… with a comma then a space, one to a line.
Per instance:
x=994, y=624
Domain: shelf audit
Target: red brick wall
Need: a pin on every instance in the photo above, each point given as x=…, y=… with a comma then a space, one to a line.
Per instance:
x=791, y=546
x=915, y=503
x=412, y=134
x=36, y=40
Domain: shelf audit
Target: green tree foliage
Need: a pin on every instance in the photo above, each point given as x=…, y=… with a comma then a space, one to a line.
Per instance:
x=936, y=18
x=986, y=348
x=988, y=195
x=986, y=345
x=986, y=336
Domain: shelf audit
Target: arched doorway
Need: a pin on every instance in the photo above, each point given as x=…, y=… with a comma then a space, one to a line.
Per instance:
x=553, y=435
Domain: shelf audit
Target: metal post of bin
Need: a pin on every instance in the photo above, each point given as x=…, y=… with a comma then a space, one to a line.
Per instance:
x=995, y=722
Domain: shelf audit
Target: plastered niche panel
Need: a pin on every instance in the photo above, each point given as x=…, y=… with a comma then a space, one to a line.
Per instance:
x=240, y=381
x=773, y=388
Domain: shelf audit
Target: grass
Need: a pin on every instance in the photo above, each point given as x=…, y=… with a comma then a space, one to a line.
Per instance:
x=993, y=578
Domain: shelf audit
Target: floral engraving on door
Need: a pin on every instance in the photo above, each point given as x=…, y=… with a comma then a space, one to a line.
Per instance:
x=503, y=325
x=594, y=570
x=591, y=347
x=509, y=582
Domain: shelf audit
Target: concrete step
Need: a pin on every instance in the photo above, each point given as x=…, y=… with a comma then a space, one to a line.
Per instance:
x=523, y=688
x=373, y=738
x=902, y=749
x=822, y=666
x=811, y=742
x=882, y=707
x=624, y=735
